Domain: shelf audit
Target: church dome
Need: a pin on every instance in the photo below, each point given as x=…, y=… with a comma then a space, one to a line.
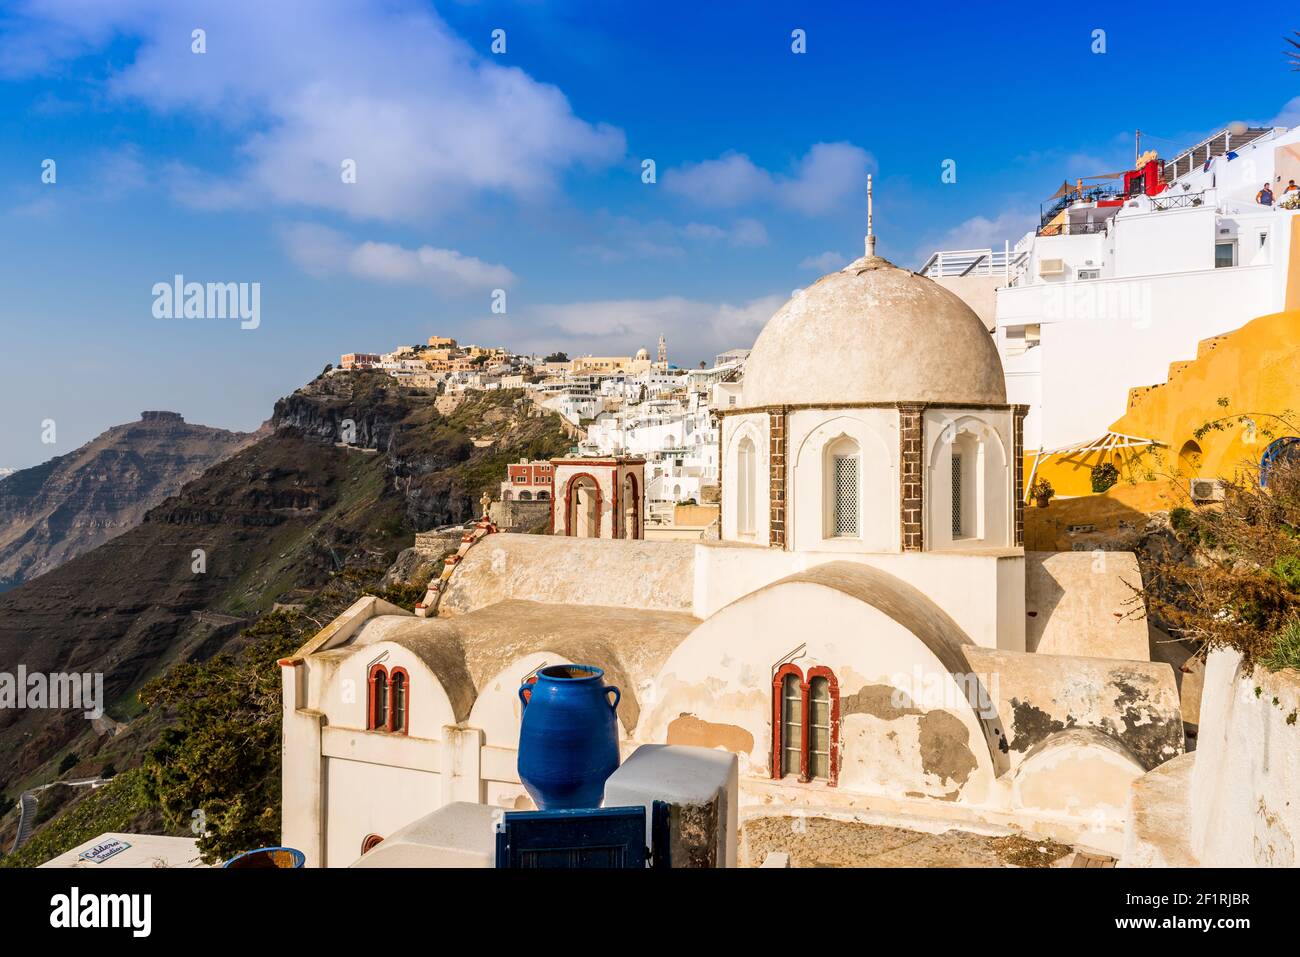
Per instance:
x=873, y=332
x=642, y=354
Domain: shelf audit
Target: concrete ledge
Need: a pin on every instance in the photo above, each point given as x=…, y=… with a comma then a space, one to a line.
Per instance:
x=1036, y=695
x=654, y=576
x=1159, y=828
x=1077, y=603
x=702, y=784
x=456, y=835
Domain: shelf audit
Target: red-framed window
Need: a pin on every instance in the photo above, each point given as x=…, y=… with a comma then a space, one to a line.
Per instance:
x=388, y=694
x=399, y=688
x=377, y=699
x=806, y=724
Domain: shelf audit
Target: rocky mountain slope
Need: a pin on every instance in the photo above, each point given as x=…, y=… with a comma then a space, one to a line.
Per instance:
x=275, y=522
x=63, y=508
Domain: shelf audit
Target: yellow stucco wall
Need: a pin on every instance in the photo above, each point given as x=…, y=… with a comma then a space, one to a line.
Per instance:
x=1252, y=372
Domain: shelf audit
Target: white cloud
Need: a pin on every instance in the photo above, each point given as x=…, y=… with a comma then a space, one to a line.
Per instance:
x=979, y=232
x=431, y=123
x=1290, y=114
x=318, y=250
x=121, y=171
x=624, y=238
x=827, y=176
x=748, y=232
x=621, y=326
x=743, y=232
x=703, y=231
x=825, y=262
x=730, y=180
x=321, y=251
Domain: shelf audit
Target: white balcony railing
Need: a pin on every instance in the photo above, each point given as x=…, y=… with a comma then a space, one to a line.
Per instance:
x=973, y=262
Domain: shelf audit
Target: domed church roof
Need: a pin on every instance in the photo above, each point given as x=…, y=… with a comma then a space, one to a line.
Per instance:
x=873, y=332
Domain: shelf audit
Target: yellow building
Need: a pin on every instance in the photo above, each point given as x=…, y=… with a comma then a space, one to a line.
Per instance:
x=1213, y=416
x=600, y=364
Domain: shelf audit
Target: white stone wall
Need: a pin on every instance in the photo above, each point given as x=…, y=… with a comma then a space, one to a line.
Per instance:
x=716, y=690
x=1245, y=784
x=985, y=442
x=735, y=428
x=811, y=434
x=983, y=592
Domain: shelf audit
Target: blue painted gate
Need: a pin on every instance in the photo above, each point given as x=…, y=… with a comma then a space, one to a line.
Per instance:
x=607, y=837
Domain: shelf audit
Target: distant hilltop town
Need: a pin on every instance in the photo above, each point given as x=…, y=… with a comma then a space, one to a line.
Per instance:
x=614, y=406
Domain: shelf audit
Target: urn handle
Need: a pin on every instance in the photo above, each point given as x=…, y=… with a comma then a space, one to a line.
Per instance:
x=618, y=696
x=523, y=701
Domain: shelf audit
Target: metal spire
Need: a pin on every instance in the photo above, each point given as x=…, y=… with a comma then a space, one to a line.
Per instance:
x=871, y=236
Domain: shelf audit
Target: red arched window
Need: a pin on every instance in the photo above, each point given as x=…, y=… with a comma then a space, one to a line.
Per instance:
x=806, y=724
x=371, y=841
x=399, y=684
x=388, y=700
x=377, y=699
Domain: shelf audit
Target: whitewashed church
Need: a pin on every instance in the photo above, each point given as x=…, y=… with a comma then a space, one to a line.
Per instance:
x=868, y=635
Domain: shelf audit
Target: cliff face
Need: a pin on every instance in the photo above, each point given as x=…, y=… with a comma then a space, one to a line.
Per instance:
x=284, y=515
x=65, y=507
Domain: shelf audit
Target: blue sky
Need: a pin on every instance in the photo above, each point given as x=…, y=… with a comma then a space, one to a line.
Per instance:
x=522, y=171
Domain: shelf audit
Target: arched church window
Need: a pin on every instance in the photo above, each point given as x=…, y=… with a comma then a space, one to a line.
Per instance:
x=965, y=484
x=819, y=728
x=745, y=482
x=805, y=729
x=792, y=725
x=377, y=705
x=843, y=466
x=398, y=687
x=631, y=506
x=956, y=495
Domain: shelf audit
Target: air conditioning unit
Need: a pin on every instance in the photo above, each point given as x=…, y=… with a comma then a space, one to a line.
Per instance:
x=1207, y=490
x=1051, y=267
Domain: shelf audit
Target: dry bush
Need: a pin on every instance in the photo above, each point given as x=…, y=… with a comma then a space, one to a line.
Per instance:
x=1241, y=586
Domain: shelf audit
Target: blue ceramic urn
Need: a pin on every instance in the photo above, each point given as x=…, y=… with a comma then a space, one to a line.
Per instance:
x=568, y=740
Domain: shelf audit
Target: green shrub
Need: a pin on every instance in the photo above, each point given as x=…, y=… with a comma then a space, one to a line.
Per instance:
x=1285, y=652
x=1287, y=570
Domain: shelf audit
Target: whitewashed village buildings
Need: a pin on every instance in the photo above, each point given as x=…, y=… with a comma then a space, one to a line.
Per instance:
x=868, y=634
x=1121, y=281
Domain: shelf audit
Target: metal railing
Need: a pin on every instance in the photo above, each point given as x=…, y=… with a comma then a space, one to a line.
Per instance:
x=1072, y=229
x=1092, y=195
x=1207, y=149
x=971, y=262
x=1180, y=201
